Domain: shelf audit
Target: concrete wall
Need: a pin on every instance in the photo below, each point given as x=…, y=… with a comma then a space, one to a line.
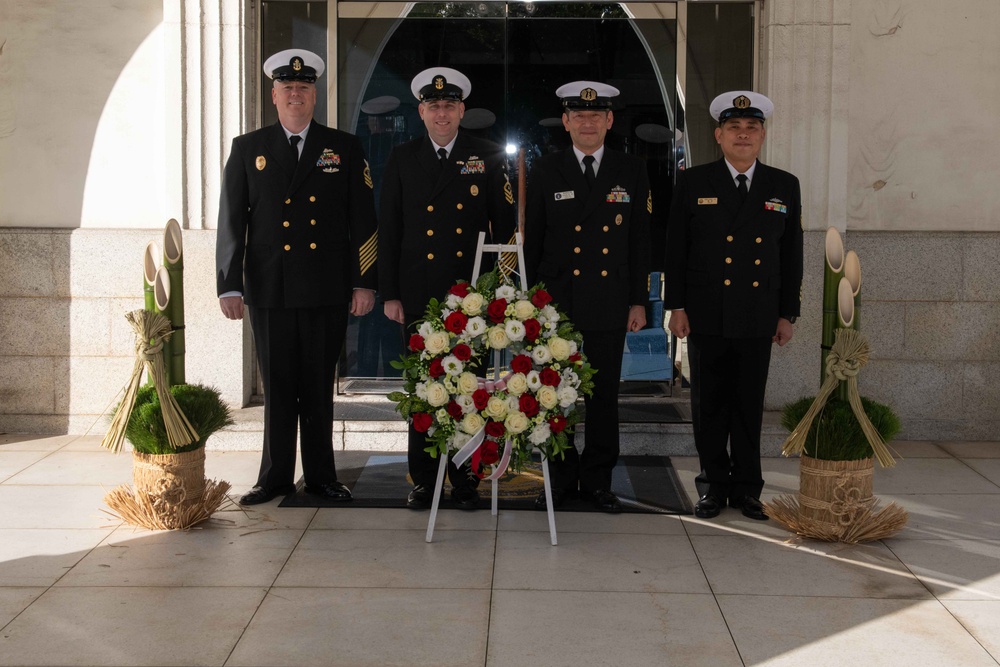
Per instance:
x=108, y=127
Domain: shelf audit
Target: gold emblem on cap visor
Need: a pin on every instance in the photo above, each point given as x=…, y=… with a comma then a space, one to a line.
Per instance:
x=474, y=190
x=588, y=94
x=742, y=102
x=439, y=82
x=261, y=163
x=296, y=63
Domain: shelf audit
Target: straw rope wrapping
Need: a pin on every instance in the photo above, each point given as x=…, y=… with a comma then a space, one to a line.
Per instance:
x=151, y=330
x=848, y=356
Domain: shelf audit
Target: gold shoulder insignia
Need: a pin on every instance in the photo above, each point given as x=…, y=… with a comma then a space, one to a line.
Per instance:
x=508, y=192
x=649, y=202
x=368, y=177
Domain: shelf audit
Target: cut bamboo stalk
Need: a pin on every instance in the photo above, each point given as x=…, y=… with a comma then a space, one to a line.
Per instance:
x=845, y=320
x=161, y=298
x=833, y=270
x=852, y=271
x=173, y=260
x=149, y=267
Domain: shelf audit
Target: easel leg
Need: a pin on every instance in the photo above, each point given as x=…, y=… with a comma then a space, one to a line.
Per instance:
x=437, y=496
x=494, y=505
x=548, y=500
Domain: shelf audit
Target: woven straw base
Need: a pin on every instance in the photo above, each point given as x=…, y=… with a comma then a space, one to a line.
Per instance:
x=869, y=524
x=156, y=513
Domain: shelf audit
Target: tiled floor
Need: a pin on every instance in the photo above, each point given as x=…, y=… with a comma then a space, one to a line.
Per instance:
x=271, y=586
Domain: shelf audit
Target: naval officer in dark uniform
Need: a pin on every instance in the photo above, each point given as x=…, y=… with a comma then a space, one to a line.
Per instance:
x=733, y=284
x=587, y=238
x=297, y=243
x=439, y=192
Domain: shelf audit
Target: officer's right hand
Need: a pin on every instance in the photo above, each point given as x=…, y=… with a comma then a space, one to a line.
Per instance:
x=232, y=307
x=394, y=310
x=678, y=323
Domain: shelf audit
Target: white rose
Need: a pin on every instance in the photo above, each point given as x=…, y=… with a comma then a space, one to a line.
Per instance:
x=524, y=310
x=472, y=304
x=475, y=327
x=534, y=380
x=516, y=422
x=505, y=292
x=567, y=396
x=540, y=434
x=559, y=348
x=436, y=342
x=517, y=384
x=496, y=408
x=467, y=383
x=466, y=403
x=472, y=422
x=497, y=338
x=514, y=330
x=547, y=397
x=452, y=366
x=437, y=394
x=541, y=354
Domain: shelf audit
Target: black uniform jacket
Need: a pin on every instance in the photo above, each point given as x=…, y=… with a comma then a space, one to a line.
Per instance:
x=296, y=235
x=430, y=224
x=734, y=269
x=590, y=246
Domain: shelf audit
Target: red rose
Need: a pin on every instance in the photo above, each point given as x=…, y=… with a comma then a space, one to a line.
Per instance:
x=495, y=429
x=456, y=322
x=480, y=398
x=422, y=421
x=455, y=410
x=521, y=364
x=416, y=342
x=576, y=358
x=489, y=453
x=528, y=405
x=495, y=311
x=550, y=377
x=436, y=369
x=541, y=298
x=557, y=424
x=460, y=289
x=462, y=352
x=532, y=329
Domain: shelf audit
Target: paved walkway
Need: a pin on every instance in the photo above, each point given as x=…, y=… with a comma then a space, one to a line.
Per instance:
x=360, y=587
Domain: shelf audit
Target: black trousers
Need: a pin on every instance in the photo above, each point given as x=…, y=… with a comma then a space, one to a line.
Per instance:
x=728, y=377
x=423, y=467
x=298, y=349
x=592, y=468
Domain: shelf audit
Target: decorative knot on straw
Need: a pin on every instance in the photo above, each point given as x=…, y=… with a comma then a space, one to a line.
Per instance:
x=847, y=357
x=847, y=502
x=151, y=329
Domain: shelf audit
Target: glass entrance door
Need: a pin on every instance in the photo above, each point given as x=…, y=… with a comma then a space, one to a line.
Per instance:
x=515, y=55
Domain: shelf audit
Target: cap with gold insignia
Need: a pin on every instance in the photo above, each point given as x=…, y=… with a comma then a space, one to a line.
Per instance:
x=586, y=95
x=294, y=65
x=740, y=104
x=440, y=83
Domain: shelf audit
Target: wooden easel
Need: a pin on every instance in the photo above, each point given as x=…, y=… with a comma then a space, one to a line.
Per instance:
x=498, y=248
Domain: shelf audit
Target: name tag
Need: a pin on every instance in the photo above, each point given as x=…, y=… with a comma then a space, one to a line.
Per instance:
x=710, y=201
x=569, y=194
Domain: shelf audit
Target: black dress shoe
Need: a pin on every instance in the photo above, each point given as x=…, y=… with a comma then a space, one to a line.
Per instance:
x=259, y=494
x=465, y=498
x=331, y=491
x=559, y=497
x=606, y=501
x=750, y=506
x=420, y=497
x=708, y=506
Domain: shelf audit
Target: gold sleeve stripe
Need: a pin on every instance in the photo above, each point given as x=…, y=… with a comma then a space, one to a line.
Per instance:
x=649, y=202
x=368, y=177
x=367, y=264
x=508, y=260
x=371, y=243
x=368, y=253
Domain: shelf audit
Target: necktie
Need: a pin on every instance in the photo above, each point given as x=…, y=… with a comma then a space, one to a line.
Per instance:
x=442, y=155
x=588, y=170
x=293, y=143
x=742, y=187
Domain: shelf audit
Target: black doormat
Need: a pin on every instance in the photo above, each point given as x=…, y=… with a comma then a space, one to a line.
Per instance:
x=645, y=485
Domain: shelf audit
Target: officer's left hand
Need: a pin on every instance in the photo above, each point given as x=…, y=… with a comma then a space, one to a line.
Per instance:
x=362, y=301
x=783, y=333
x=636, y=318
